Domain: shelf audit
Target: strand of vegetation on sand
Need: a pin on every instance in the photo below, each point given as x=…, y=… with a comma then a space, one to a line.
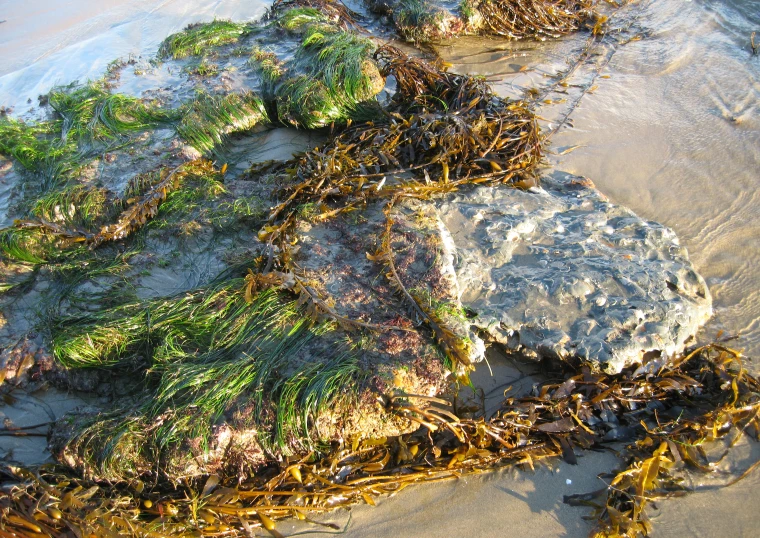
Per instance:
x=264, y=347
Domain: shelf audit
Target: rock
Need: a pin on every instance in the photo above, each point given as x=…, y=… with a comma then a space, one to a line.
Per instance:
x=562, y=272
x=554, y=272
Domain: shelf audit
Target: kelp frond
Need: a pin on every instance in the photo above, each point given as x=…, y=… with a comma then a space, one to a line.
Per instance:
x=197, y=38
x=208, y=120
x=426, y=85
x=146, y=206
x=456, y=348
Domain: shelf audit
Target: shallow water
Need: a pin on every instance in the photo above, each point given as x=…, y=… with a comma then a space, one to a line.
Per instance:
x=674, y=134
x=672, y=131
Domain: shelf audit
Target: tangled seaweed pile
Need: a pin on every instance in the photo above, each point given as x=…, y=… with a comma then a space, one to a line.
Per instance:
x=421, y=21
x=439, y=125
x=672, y=408
x=255, y=397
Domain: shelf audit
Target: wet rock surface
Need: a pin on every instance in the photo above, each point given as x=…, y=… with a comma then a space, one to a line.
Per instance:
x=557, y=271
x=560, y=271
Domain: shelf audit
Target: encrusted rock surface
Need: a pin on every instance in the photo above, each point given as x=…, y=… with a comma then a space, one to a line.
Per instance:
x=561, y=271
x=556, y=271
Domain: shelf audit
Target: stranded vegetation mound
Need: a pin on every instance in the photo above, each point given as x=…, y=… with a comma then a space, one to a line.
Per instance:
x=318, y=367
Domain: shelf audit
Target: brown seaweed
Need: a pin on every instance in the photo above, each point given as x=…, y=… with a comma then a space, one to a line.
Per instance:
x=138, y=212
x=702, y=396
x=443, y=131
x=531, y=18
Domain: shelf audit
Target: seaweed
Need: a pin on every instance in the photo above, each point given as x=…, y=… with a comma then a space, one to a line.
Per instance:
x=331, y=78
x=267, y=355
x=558, y=418
x=77, y=206
x=90, y=113
x=296, y=12
x=455, y=347
x=443, y=131
x=37, y=241
x=146, y=207
x=424, y=21
x=528, y=18
x=209, y=120
x=195, y=39
x=419, y=21
x=245, y=389
x=37, y=148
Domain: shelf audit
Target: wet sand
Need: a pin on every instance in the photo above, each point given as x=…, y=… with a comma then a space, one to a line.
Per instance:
x=673, y=133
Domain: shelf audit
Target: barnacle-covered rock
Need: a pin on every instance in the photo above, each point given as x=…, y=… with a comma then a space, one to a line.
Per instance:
x=561, y=272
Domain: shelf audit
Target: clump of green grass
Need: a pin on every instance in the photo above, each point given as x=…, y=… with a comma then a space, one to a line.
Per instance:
x=342, y=60
x=418, y=20
x=331, y=77
x=208, y=120
x=297, y=18
x=88, y=119
x=205, y=354
x=26, y=246
x=74, y=205
x=197, y=38
x=204, y=68
x=306, y=102
x=91, y=113
x=195, y=201
x=36, y=146
x=249, y=210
